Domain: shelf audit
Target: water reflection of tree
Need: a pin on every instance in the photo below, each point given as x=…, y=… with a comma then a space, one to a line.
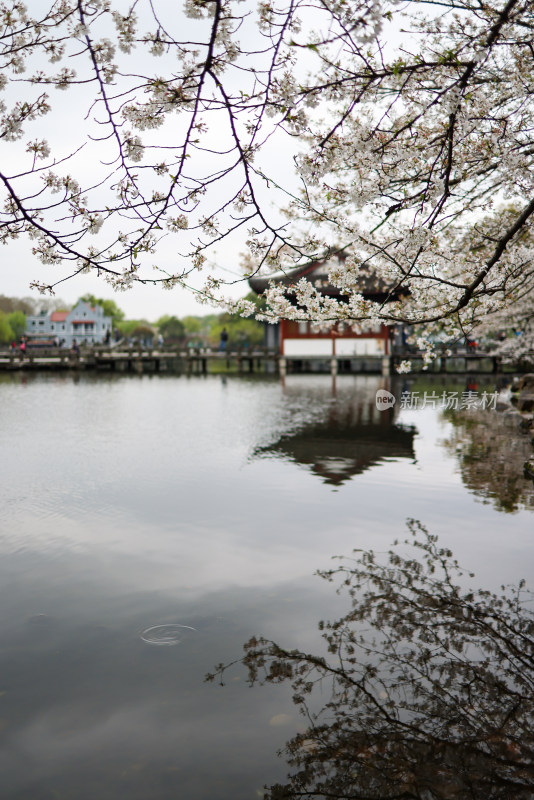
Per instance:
x=429, y=685
x=491, y=453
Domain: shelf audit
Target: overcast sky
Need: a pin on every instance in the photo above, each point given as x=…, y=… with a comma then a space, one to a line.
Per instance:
x=19, y=267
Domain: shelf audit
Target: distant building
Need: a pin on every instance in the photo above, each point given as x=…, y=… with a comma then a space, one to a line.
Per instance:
x=84, y=324
x=302, y=339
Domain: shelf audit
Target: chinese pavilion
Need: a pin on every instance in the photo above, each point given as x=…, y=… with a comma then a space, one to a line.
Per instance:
x=302, y=340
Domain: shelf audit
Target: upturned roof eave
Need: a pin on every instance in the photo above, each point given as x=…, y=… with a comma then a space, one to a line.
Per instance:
x=379, y=294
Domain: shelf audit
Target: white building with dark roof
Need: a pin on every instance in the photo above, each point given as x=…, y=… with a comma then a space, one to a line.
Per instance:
x=83, y=324
x=302, y=340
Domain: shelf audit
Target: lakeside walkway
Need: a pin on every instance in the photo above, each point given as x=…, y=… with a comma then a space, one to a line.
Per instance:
x=135, y=359
x=175, y=359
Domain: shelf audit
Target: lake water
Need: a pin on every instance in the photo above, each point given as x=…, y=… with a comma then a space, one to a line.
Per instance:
x=206, y=505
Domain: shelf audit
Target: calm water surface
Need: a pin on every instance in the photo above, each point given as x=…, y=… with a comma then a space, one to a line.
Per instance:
x=204, y=504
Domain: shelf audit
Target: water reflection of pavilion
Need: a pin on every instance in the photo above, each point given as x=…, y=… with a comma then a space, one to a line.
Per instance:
x=351, y=437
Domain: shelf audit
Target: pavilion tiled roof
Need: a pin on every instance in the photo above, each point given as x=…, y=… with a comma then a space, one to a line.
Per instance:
x=370, y=285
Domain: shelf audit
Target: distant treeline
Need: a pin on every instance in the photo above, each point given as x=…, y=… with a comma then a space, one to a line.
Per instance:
x=199, y=331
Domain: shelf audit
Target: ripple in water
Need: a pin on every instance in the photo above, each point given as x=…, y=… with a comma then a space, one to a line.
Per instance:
x=166, y=635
